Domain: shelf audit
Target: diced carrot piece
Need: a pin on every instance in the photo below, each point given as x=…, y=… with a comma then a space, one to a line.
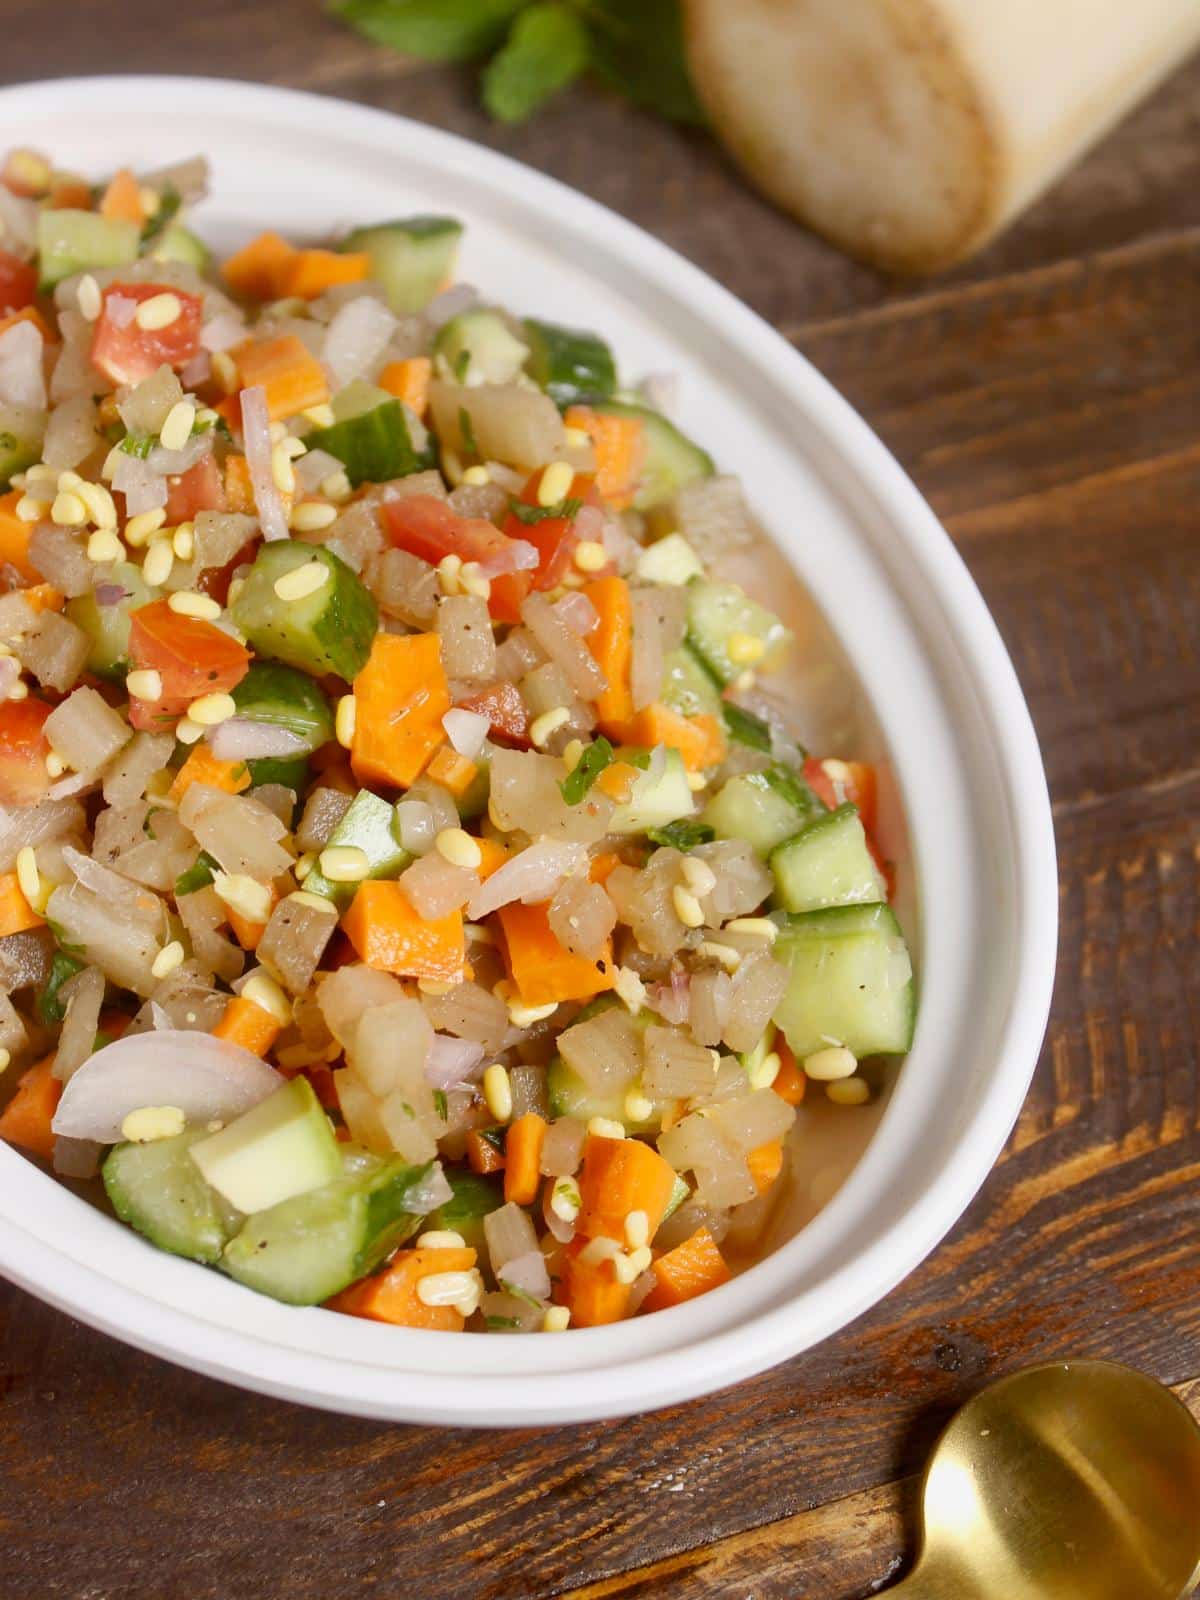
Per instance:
x=620, y=448
x=251, y=1026
x=16, y=914
x=248, y=934
x=257, y=270
x=69, y=193
x=790, y=1081
x=766, y=1163
x=292, y=378
x=400, y=698
x=391, y=1295
x=408, y=380
x=494, y=856
x=590, y=1289
x=202, y=766
x=482, y=1155
x=454, y=772
x=122, y=200
x=692, y=1268
x=541, y=968
x=14, y=537
x=239, y=492
x=617, y=781
x=27, y=1116
x=619, y=1176
x=310, y=272
x=601, y=867
x=30, y=314
x=44, y=597
x=611, y=642
x=522, y=1152
x=391, y=936
x=699, y=740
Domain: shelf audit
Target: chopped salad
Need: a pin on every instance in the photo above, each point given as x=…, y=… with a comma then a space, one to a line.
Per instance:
x=414, y=899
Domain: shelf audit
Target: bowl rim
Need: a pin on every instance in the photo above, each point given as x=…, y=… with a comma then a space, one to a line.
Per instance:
x=686, y=1369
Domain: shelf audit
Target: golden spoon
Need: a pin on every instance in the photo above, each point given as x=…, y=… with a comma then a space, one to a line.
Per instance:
x=1078, y=1481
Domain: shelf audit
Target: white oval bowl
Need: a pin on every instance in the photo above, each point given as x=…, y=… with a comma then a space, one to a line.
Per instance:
x=956, y=734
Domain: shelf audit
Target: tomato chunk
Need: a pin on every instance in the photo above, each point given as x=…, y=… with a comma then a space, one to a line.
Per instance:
x=18, y=283
x=200, y=488
x=125, y=352
x=554, y=538
x=192, y=657
x=502, y=705
x=838, y=783
x=429, y=528
x=23, y=751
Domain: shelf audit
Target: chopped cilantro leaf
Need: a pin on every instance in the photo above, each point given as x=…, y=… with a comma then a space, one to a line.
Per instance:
x=467, y=428
x=591, y=764
x=682, y=835
x=198, y=876
x=745, y=728
x=532, y=515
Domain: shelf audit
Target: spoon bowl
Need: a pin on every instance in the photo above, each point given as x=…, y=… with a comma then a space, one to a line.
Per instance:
x=1076, y=1481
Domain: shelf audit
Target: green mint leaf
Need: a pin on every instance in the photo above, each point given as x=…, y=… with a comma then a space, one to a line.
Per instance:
x=169, y=202
x=637, y=49
x=198, y=876
x=438, y=30
x=546, y=50
x=682, y=835
x=49, y=1005
x=502, y=1322
x=790, y=786
x=532, y=515
x=587, y=769
x=743, y=727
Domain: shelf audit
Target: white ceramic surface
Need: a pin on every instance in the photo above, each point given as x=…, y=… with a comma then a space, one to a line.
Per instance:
x=958, y=739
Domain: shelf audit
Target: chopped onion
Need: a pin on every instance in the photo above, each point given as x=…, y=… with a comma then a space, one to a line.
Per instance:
x=672, y=1000
x=576, y=611
x=120, y=309
x=207, y=1078
x=432, y=1191
x=528, y=1274
x=452, y=1062
x=357, y=338
x=223, y=331
x=563, y=647
x=256, y=431
x=143, y=489
x=460, y=297
x=120, y=894
x=531, y=875
x=197, y=371
x=22, y=382
x=315, y=466
x=18, y=223
x=418, y=826
x=466, y=731
x=74, y=784
x=173, y=462
x=516, y=556
x=242, y=739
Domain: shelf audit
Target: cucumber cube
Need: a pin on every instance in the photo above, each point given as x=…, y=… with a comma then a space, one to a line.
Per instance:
x=280, y=1148
x=851, y=982
x=827, y=864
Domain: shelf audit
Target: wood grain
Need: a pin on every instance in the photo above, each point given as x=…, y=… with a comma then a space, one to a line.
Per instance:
x=1046, y=398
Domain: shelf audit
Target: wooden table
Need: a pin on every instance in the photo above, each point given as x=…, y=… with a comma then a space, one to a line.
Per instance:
x=1046, y=398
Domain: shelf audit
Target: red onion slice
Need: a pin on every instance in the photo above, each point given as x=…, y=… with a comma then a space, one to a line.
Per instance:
x=209, y=1079
x=241, y=739
x=256, y=431
x=518, y=555
x=531, y=875
x=120, y=309
x=451, y=1062
x=527, y=1274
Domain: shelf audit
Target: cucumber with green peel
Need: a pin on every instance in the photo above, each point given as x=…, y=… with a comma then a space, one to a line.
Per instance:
x=370, y=825
x=107, y=626
x=158, y=1190
x=282, y=1147
x=479, y=347
x=413, y=258
x=827, y=864
x=687, y=685
x=475, y=1197
x=657, y=798
x=569, y=1096
x=570, y=364
x=316, y=1244
x=22, y=429
x=744, y=727
x=682, y=1191
x=762, y=808
x=328, y=631
x=850, y=982
x=371, y=435
x=177, y=243
x=71, y=241
x=672, y=460
x=288, y=773
x=717, y=612
x=283, y=697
